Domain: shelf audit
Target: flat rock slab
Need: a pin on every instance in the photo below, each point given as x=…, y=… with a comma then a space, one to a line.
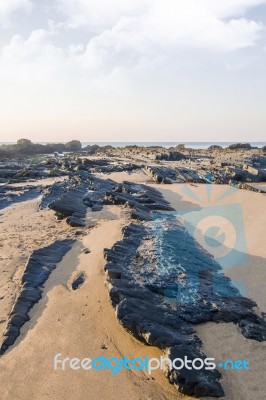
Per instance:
x=10, y=195
x=140, y=198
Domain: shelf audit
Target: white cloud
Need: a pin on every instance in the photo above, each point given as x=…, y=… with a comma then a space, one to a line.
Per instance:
x=32, y=60
x=8, y=7
x=104, y=12
x=36, y=60
x=215, y=24
x=127, y=35
x=228, y=8
x=100, y=14
x=130, y=43
x=156, y=65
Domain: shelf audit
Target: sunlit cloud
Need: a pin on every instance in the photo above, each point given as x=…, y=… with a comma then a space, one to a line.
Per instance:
x=147, y=55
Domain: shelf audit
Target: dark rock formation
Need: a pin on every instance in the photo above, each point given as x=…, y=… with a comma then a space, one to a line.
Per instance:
x=158, y=266
x=115, y=167
x=54, y=193
x=39, y=266
x=141, y=199
x=97, y=189
x=106, y=149
x=106, y=166
x=15, y=172
x=245, y=186
x=240, y=146
x=210, y=172
x=197, y=384
x=71, y=198
x=171, y=156
x=86, y=251
x=71, y=202
x=66, y=198
x=73, y=145
x=91, y=149
x=215, y=147
x=26, y=147
x=145, y=315
x=75, y=221
x=178, y=175
x=163, y=174
x=14, y=194
x=78, y=281
x=24, y=142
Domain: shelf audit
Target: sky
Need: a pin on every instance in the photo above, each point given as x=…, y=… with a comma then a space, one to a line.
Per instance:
x=133, y=70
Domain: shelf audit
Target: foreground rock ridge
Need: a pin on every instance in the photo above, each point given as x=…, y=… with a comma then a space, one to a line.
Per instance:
x=38, y=268
x=149, y=304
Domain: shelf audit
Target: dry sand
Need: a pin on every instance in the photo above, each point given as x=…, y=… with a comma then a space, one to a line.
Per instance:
x=138, y=177
x=74, y=323
x=23, y=229
x=39, y=182
x=78, y=323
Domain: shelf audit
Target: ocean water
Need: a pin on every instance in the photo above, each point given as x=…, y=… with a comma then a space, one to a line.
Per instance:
x=180, y=255
x=192, y=145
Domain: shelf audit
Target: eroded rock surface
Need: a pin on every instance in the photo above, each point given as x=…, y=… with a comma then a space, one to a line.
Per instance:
x=162, y=283
x=38, y=268
x=16, y=194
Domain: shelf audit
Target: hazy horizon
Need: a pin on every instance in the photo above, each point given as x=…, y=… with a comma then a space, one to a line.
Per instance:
x=148, y=70
x=166, y=144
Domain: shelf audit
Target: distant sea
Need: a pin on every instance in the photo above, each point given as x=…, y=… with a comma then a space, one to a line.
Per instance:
x=192, y=145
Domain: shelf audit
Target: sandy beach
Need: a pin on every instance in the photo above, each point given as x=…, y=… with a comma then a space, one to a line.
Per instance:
x=75, y=324
x=83, y=323
x=132, y=200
